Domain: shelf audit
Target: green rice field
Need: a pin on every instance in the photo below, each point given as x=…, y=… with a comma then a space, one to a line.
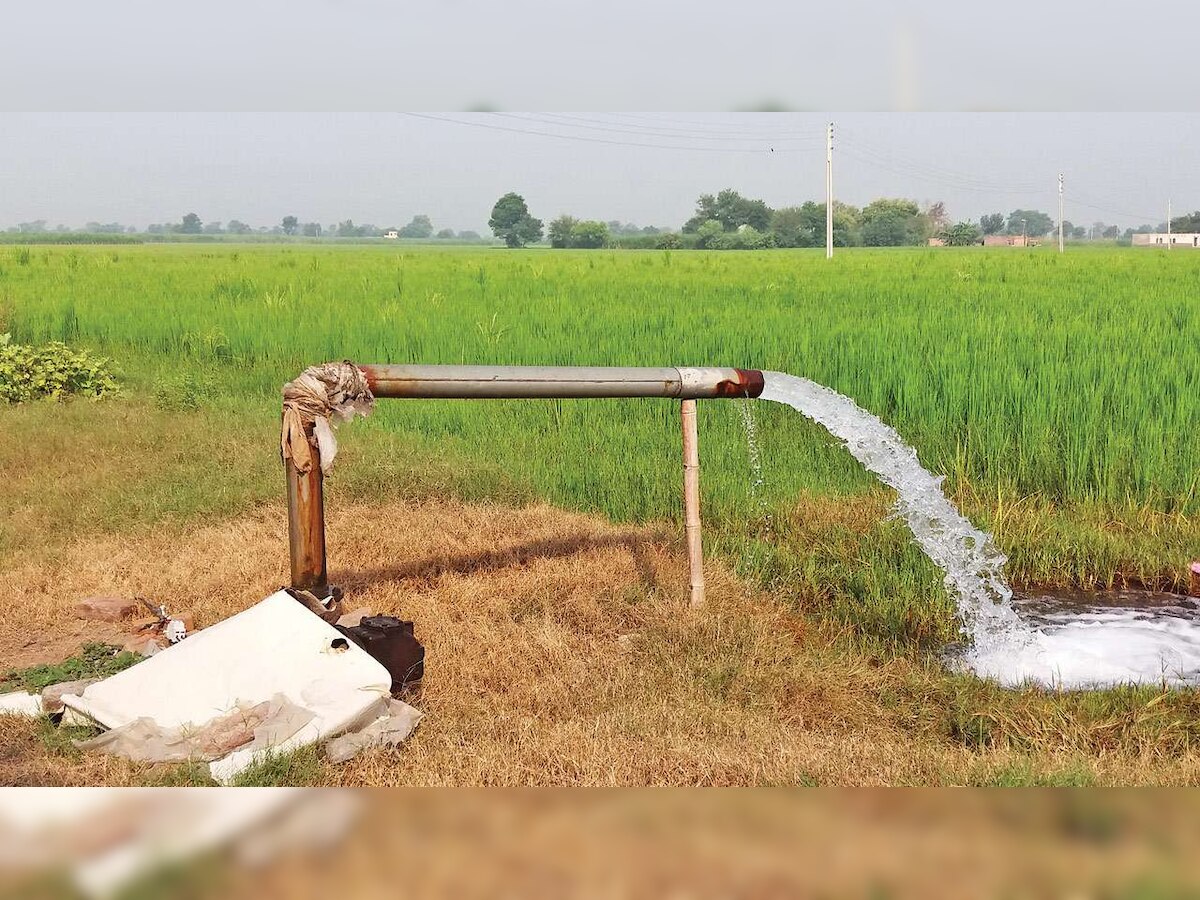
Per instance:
x=1060, y=395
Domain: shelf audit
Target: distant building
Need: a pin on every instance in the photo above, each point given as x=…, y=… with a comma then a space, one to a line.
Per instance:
x=392, y=235
x=1009, y=240
x=1162, y=239
x=936, y=242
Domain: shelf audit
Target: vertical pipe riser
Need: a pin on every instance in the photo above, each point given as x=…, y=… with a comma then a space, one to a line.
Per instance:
x=306, y=528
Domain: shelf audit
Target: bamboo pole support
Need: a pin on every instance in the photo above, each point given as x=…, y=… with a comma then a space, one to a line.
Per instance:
x=691, y=501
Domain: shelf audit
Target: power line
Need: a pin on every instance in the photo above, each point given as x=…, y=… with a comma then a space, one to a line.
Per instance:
x=903, y=166
x=1115, y=212
x=685, y=123
x=936, y=178
x=661, y=131
x=600, y=140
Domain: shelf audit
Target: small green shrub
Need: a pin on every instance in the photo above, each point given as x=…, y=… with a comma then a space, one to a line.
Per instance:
x=187, y=391
x=53, y=371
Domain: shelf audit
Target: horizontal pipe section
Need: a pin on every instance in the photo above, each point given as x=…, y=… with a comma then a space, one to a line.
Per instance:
x=515, y=382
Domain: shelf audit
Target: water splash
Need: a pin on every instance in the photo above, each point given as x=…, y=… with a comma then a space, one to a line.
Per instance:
x=758, y=499
x=974, y=567
x=1089, y=647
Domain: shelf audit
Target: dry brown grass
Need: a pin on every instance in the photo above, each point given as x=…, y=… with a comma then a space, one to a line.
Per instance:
x=561, y=651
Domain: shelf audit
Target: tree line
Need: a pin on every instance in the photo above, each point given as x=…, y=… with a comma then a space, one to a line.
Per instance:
x=729, y=221
x=191, y=224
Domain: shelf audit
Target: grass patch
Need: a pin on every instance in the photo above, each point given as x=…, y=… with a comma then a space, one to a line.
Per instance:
x=92, y=661
x=300, y=768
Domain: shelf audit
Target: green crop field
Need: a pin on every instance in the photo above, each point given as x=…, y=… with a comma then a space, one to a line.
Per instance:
x=1060, y=395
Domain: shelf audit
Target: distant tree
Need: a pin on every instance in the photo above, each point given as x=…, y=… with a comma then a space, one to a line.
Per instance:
x=668, y=241
x=419, y=227
x=1186, y=224
x=236, y=227
x=348, y=229
x=961, y=235
x=935, y=214
x=446, y=234
x=1068, y=228
x=750, y=238
x=559, y=231
x=469, y=236
x=512, y=223
x=888, y=230
x=1078, y=232
x=191, y=224
x=890, y=222
x=37, y=226
x=1031, y=222
x=992, y=224
x=369, y=231
x=311, y=229
x=1112, y=232
x=589, y=235
x=213, y=228
x=731, y=210
x=709, y=233
x=290, y=224
x=793, y=226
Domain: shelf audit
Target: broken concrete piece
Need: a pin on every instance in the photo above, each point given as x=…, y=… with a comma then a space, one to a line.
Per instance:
x=20, y=703
x=275, y=647
x=52, y=695
x=105, y=609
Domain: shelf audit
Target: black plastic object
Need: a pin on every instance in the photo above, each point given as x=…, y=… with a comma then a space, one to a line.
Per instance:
x=390, y=641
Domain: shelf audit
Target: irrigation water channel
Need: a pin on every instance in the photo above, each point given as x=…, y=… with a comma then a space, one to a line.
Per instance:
x=1064, y=641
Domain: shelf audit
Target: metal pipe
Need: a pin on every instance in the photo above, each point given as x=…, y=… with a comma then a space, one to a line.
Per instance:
x=306, y=505
x=513, y=382
x=306, y=527
x=691, y=501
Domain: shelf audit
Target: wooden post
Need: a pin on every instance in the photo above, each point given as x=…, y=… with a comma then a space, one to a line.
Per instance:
x=306, y=527
x=691, y=501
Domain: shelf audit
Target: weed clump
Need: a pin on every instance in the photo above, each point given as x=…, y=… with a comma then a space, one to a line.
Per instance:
x=53, y=371
x=93, y=661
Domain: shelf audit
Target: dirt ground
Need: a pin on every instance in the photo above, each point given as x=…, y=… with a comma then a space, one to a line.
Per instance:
x=560, y=650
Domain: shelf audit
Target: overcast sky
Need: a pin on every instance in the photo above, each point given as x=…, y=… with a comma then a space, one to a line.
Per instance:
x=646, y=168
x=620, y=54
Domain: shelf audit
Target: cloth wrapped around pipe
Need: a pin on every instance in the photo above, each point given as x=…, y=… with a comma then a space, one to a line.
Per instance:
x=312, y=405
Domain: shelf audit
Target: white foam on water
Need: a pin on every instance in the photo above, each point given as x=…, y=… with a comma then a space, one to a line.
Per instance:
x=1096, y=649
x=1105, y=647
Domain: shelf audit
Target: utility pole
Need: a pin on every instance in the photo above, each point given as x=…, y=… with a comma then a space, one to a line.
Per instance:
x=1060, y=212
x=829, y=192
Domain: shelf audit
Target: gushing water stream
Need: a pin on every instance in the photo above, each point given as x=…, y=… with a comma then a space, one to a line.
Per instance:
x=1112, y=646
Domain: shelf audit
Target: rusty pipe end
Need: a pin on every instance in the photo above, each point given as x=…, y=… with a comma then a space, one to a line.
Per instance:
x=749, y=383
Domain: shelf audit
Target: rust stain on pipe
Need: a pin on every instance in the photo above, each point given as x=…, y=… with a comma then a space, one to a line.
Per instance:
x=749, y=383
